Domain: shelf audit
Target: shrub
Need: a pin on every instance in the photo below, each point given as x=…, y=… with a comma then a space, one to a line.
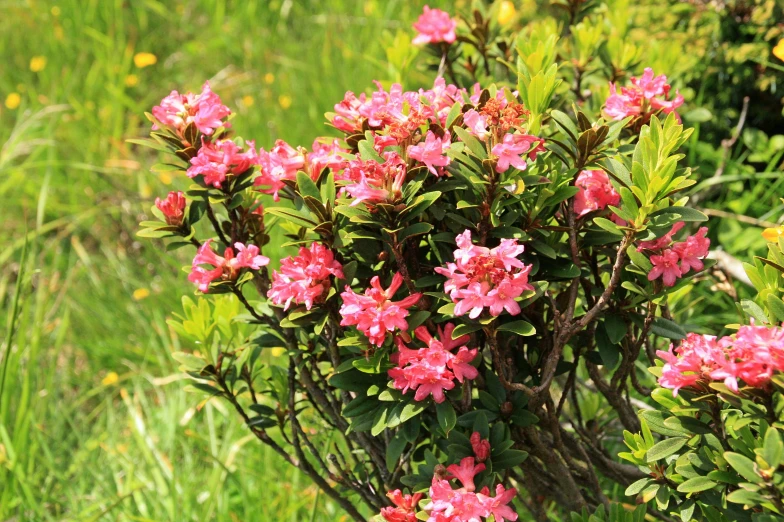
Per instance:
x=482, y=267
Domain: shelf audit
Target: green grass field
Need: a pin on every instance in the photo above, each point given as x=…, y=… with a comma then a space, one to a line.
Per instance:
x=94, y=424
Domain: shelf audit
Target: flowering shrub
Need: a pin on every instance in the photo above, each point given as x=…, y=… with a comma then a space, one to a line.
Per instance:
x=476, y=269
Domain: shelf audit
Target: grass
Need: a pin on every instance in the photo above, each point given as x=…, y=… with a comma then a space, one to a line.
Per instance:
x=94, y=422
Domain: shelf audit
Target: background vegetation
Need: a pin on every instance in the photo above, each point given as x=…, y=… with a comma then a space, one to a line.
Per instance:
x=94, y=422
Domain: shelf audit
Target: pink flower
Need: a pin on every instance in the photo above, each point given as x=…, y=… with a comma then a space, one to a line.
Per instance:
x=695, y=247
x=434, y=26
x=405, y=507
x=432, y=370
x=173, y=207
x=465, y=472
x=498, y=505
x=227, y=267
x=432, y=152
x=481, y=277
x=205, y=111
x=596, y=192
x=280, y=163
x=662, y=242
x=374, y=182
x=646, y=96
x=753, y=356
x=374, y=313
x=441, y=98
x=512, y=148
x=323, y=156
x=666, y=267
x=480, y=446
x=222, y=158
x=476, y=123
x=304, y=278
x=691, y=362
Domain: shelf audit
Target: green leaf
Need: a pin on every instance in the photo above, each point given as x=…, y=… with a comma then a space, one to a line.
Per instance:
x=745, y=497
x=637, y=486
x=417, y=229
x=679, y=214
x=447, y=418
x=473, y=144
x=367, y=152
x=667, y=329
x=743, y=465
x=772, y=448
x=465, y=329
x=609, y=352
x=521, y=328
x=394, y=450
x=306, y=187
x=665, y=448
x=776, y=306
x=698, y=115
x=696, y=484
x=616, y=328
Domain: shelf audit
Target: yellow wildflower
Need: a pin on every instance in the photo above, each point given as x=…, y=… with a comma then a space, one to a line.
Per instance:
x=285, y=101
x=506, y=12
x=140, y=293
x=247, y=100
x=277, y=351
x=269, y=78
x=37, y=63
x=778, y=51
x=110, y=379
x=13, y=100
x=142, y=60
x=131, y=80
x=773, y=234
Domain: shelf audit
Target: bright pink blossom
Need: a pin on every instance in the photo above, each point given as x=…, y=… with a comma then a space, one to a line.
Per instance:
x=304, y=278
x=173, y=207
x=432, y=152
x=647, y=95
x=374, y=313
x=405, y=507
x=217, y=160
x=226, y=267
x=205, y=111
x=596, y=192
x=512, y=149
x=463, y=504
x=432, y=370
x=666, y=267
x=691, y=362
x=753, y=355
x=280, y=163
x=480, y=446
x=486, y=278
x=662, y=242
x=325, y=155
x=476, y=123
x=691, y=250
x=434, y=26
x=373, y=182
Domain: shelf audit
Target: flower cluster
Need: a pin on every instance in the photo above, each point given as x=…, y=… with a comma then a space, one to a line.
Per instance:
x=218, y=159
x=752, y=355
x=372, y=182
x=646, y=96
x=226, y=267
x=596, y=192
x=173, y=207
x=304, y=278
x=480, y=446
x=482, y=277
x=205, y=111
x=674, y=260
x=433, y=370
x=282, y=162
x=435, y=26
x=374, y=313
x=464, y=504
x=404, y=509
